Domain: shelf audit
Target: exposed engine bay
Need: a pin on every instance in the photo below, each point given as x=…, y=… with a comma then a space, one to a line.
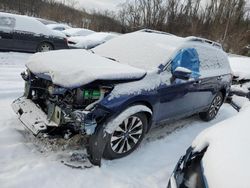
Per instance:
x=65, y=107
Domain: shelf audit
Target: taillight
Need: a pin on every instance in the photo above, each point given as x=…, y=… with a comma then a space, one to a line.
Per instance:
x=66, y=40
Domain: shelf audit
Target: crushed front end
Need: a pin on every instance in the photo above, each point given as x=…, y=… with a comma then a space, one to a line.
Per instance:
x=48, y=108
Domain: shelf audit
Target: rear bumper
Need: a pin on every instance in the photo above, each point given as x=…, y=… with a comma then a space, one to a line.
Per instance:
x=31, y=115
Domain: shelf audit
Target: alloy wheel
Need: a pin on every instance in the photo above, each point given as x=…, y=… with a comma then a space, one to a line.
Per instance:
x=214, y=108
x=127, y=135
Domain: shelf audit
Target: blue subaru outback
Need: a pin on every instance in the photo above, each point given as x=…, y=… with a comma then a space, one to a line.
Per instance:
x=115, y=93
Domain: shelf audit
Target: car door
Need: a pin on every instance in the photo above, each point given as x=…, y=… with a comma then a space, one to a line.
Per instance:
x=6, y=32
x=25, y=41
x=177, y=97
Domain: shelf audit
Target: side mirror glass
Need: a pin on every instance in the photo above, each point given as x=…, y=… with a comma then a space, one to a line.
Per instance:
x=182, y=73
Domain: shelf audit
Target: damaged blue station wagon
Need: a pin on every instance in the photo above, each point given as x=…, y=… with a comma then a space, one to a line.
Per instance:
x=115, y=93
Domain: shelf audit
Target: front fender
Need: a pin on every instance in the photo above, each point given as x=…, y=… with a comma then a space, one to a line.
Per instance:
x=97, y=142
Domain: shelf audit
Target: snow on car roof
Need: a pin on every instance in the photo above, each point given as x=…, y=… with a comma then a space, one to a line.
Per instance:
x=29, y=24
x=146, y=50
x=55, y=25
x=226, y=161
x=91, y=40
x=78, y=32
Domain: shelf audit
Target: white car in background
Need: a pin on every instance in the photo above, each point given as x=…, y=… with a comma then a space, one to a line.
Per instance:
x=90, y=41
x=73, y=32
x=58, y=26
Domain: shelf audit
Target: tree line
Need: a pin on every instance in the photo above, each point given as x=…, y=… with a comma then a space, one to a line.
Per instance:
x=224, y=21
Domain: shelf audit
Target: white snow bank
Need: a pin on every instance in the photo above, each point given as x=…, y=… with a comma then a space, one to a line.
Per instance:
x=72, y=68
x=226, y=161
x=22, y=23
x=72, y=32
x=141, y=49
x=90, y=41
x=240, y=67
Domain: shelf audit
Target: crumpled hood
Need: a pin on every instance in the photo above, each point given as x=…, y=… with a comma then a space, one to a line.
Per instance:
x=74, y=68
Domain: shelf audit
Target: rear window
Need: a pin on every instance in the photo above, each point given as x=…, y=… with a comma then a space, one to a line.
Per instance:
x=7, y=23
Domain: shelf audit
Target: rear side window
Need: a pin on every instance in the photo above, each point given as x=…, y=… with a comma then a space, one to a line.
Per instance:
x=187, y=58
x=213, y=61
x=7, y=23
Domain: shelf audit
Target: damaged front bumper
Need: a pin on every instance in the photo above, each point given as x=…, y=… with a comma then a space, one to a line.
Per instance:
x=36, y=120
x=31, y=115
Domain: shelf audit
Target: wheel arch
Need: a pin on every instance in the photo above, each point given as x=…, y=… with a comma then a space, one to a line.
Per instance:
x=148, y=114
x=131, y=109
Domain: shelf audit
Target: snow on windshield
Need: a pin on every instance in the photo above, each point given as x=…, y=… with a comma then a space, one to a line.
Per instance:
x=146, y=50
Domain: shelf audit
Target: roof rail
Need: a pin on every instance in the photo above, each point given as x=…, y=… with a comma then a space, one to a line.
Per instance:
x=154, y=31
x=198, y=39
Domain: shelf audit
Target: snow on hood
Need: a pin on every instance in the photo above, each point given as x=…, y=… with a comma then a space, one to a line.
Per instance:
x=226, y=161
x=74, y=68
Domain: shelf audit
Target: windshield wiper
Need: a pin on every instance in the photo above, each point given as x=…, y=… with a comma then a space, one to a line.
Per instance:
x=111, y=59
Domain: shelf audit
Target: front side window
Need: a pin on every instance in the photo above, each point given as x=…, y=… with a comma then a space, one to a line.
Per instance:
x=187, y=58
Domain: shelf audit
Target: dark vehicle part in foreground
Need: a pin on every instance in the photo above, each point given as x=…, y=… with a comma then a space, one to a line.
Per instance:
x=27, y=34
x=114, y=108
x=188, y=172
x=238, y=91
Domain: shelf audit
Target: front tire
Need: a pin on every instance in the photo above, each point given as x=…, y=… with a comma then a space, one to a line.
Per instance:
x=126, y=137
x=213, y=109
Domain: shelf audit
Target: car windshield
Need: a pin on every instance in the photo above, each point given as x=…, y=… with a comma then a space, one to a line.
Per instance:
x=145, y=50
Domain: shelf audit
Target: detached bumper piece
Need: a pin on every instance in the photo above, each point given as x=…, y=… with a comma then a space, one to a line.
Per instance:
x=31, y=116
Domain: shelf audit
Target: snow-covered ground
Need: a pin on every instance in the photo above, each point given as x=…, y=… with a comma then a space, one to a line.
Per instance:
x=27, y=161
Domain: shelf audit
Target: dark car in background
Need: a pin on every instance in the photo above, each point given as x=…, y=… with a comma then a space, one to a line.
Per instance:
x=23, y=33
x=115, y=93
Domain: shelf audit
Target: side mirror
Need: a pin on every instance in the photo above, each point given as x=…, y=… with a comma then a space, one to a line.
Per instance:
x=182, y=73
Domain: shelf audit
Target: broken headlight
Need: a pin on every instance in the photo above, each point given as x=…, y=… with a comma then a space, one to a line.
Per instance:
x=54, y=90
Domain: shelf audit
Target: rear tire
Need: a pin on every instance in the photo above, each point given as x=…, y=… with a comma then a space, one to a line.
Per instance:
x=44, y=47
x=213, y=109
x=127, y=137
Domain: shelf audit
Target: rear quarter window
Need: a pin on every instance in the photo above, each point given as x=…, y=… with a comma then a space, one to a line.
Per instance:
x=7, y=23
